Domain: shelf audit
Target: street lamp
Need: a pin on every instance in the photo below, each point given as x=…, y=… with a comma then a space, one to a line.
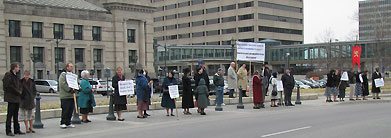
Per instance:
x=37, y=121
x=32, y=56
x=233, y=49
x=287, y=57
x=56, y=59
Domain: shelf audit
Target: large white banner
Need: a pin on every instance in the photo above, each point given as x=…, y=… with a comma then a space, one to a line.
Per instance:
x=126, y=87
x=249, y=51
x=72, y=81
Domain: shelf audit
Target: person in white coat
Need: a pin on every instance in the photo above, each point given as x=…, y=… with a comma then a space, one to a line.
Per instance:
x=232, y=80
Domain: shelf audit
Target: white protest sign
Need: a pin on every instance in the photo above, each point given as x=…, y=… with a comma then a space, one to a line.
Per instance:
x=126, y=87
x=379, y=82
x=345, y=76
x=173, y=90
x=72, y=81
x=280, y=87
x=248, y=51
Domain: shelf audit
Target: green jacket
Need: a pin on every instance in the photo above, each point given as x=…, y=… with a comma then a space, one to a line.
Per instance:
x=64, y=88
x=85, y=98
x=202, y=92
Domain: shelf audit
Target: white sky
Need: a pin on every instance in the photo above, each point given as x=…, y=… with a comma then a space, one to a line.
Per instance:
x=335, y=16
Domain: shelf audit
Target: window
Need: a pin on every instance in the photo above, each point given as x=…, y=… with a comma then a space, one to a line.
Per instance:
x=246, y=17
x=199, y=12
x=228, y=7
x=171, y=37
x=211, y=0
x=97, y=55
x=132, y=56
x=183, y=4
x=180, y=36
x=169, y=17
x=246, y=4
x=211, y=33
x=14, y=28
x=158, y=29
x=280, y=18
x=96, y=33
x=161, y=38
x=228, y=19
x=184, y=14
x=198, y=34
x=160, y=8
x=228, y=31
x=213, y=43
x=280, y=7
x=131, y=35
x=228, y=42
x=37, y=29
x=219, y=53
x=194, y=2
x=280, y=30
x=16, y=54
x=78, y=32
x=198, y=23
x=247, y=40
x=79, y=55
x=212, y=21
x=246, y=29
x=59, y=55
x=169, y=7
x=38, y=54
x=157, y=19
x=184, y=25
x=171, y=27
x=212, y=10
x=58, y=31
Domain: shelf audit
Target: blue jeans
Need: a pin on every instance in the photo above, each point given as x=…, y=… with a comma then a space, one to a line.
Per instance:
x=219, y=94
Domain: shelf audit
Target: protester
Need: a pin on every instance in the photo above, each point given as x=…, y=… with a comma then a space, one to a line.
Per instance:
x=266, y=75
x=242, y=80
x=12, y=92
x=197, y=77
x=167, y=102
x=365, y=88
x=257, y=91
x=359, y=81
x=202, y=92
x=352, y=83
x=66, y=97
x=218, y=81
x=143, y=93
x=376, y=90
x=331, y=86
x=187, y=94
x=85, y=100
x=27, y=101
x=342, y=90
x=288, y=82
x=119, y=101
x=232, y=80
x=150, y=84
x=273, y=89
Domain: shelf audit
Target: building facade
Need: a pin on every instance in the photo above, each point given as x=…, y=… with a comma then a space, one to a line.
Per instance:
x=375, y=19
x=44, y=35
x=216, y=22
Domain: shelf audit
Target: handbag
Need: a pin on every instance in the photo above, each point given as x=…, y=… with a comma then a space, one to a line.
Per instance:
x=274, y=91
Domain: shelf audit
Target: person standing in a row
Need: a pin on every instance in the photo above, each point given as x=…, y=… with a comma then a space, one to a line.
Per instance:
x=187, y=94
x=257, y=91
x=150, y=84
x=365, y=88
x=119, y=101
x=242, y=80
x=167, y=102
x=232, y=80
x=66, y=97
x=331, y=86
x=85, y=100
x=197, y=77
x=142, y=93
x=376, y=90
x=273, y=90
x=202, y=92
x=218, y=81
x=12, y=92
x=342, y=89
x=359, y=81
x=288, y=82
x=352, y=84
x=27, y=101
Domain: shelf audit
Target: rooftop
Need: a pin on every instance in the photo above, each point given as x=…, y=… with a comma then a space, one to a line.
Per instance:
x=71, y=4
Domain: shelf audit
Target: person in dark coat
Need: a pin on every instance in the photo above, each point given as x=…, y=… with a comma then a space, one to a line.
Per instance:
x=119, y=101
x=167, y=102
x=376, y=90
x=257, y=91
x=331, y=86
x=202, y=91
x=150, y=84
x=12, y=92
x=218, y=81
x=359, y=81
x=187, y=93
x=365, y=88
x=288, y=82
x=143, y=93
x=27, y=101
x=342, y=89
x=197, y=77
x=85, y=100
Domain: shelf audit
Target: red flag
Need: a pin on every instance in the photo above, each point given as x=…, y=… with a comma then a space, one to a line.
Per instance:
x=356, y=55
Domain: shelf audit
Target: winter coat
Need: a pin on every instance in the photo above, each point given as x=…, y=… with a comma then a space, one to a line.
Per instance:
x=257, y=90
x=143, y=91
x=232, y=79
x=242, y=79
x=375, y=75
x=167, y=102
x=288, y=81
x=28, y=94
x=12, y=88
x=202, y=92
x=118, y=99
x=65, y=91
x=86, y=97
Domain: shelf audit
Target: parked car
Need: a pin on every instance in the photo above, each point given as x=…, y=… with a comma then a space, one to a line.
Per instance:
x=322, y=83
x=100, y=86
x=306, y=82
x=302, y=85
x=49, y=86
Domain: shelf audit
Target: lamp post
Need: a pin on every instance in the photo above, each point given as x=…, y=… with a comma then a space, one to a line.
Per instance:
x=110, y=116
x=37, y=119
x=165, y=60
x=287, y=57
x=233, y=49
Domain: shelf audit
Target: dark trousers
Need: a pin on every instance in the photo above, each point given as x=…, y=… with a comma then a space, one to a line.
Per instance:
x=288, y=96
x=231, y=93
x=12, y=112
x=67, y=107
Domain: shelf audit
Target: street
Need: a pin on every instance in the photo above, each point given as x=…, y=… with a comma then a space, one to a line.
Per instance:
x=315, y=118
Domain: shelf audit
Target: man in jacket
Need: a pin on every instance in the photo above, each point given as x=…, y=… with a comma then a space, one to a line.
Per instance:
x=66, y=97
x=288, y=82
x=218, y=81
x=232, y=80
x=12, y=92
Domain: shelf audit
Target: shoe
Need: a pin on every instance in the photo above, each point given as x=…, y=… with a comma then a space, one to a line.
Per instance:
x=357, y=99
x=71, y=126
x=351, y=100
x=10, y=134
x=63, y=126
x=32, y=131
x=203, y=113
x=255, y=107
x=188, y=113
x=364, y=99
x=167, y=115
x=84, y=121
x=223, y=104
x=121, y=119
x=145, y=114
x=88, y=120
x=262, y=106
x=172, y=115
x=378, y=98
x=374, y=98
x=20, y=133
x=141, y=117
x=336, y=101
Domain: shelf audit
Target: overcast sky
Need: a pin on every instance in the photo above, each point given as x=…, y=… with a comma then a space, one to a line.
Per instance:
x=335, y=17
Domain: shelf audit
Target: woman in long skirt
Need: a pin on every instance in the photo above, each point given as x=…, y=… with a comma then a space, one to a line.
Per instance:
x=257, y=91
x=359, y=81
x=365, y=89
x=167, y=102
x=187, y=94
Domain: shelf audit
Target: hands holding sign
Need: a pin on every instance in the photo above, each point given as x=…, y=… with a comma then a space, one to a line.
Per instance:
x=126, y=87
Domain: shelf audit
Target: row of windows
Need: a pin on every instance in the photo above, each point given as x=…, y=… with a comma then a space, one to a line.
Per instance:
x=205, y=22
x=280, y=30
x=280, y=7
x=206, y=11
x=228, y=42
x=58, y=31
x=279, y=18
